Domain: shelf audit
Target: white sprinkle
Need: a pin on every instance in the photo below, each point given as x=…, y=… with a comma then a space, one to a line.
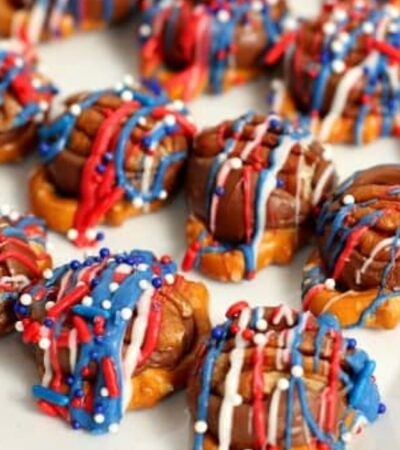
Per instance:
x=91, y=234
x=14, y=216
x=72, y=234
x=47, y=274
x=119, y=86
x=124, y=268
x=346, y=437
x=283, y=384
x=106, y=304
x=236, y=163
x=368, y=27
x=169, y=278
x=223, y=15
x=138, y=202
x=44, y=343
x=170, y=120
x=36, y=83
x=145, y=30
x=5, y=210
x=19, y=62
x=330, y=284
x=99, y=418
x=25, y=299
x=19, y=326
x=260, y=339
x=126, y=313
x=144, y=284
x=49, y=305
x=113, y=286
x=257, y=5
x=87, y=301
x=290, y=24
x=142, y=121
x=329, y=28
x=104, y=392
x=338, y=66
x=113, y=428
x=178, y=105
x=337, y=46
x=261, y=325
x=339, y=14
x=222, y=157
x=44, y=106
x=163, y=195
x=348, y=200
x=393, y=28
x=297, y=371
x=75, y=110
x=200, y=427
x=142, y=267
x=129, y=80
x=344, y=37
x=127, y=96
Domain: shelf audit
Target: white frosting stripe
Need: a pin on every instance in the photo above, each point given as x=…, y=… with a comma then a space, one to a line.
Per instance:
x=137, y=338
x=232, y=383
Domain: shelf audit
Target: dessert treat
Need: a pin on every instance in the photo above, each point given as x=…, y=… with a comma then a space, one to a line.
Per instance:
x=193, y=45
x=112, y=333
x=24, y=260
x=111, y=155
x=354, y=273
x=32, y=20
x=271, y=378
x=25, y=97
x=251, y=187
x=341, y=74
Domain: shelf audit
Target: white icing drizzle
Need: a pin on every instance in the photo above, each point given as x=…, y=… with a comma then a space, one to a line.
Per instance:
x=273, y=417
x=378, y=248
x=232, y=383
x=48, y=372
x=73, y=348
x=20, y=281
x=345, y=86
x=136, y=341
x=36, y=22
x=319, y=188
x=286, y=313
x=332, y=301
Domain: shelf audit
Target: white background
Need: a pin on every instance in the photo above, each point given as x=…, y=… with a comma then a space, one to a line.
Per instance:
x=98, y=61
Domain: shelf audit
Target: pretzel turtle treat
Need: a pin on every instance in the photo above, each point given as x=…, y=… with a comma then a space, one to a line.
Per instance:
x=36, y=19
x=354, y=273
x=193, y=46
x=24, y=260
x=252, y=184
x=272, y=378
x=112, y=333
x=25, y=98
x=342, y=73
x=111, y=155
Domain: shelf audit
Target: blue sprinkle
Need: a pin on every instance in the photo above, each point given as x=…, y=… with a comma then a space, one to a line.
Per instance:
x=156, y=282
x=220, y=191
x=218, y=332
x=351, y=343
x=108, y=157
x=95, y=282
x=75, y=425
x=70, y=380
x=75, y=264
x=381, y=408
x=147, y=141
x=280, y=183
x=48, y=322
x=99, y=340
x=100, y=168
x=100, y=236
x=78, y=393
x=104, y=252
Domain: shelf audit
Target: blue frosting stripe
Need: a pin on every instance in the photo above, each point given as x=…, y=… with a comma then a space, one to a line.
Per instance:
x=145, y=272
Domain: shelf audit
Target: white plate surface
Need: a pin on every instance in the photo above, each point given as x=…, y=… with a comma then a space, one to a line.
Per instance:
x=99, y=60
